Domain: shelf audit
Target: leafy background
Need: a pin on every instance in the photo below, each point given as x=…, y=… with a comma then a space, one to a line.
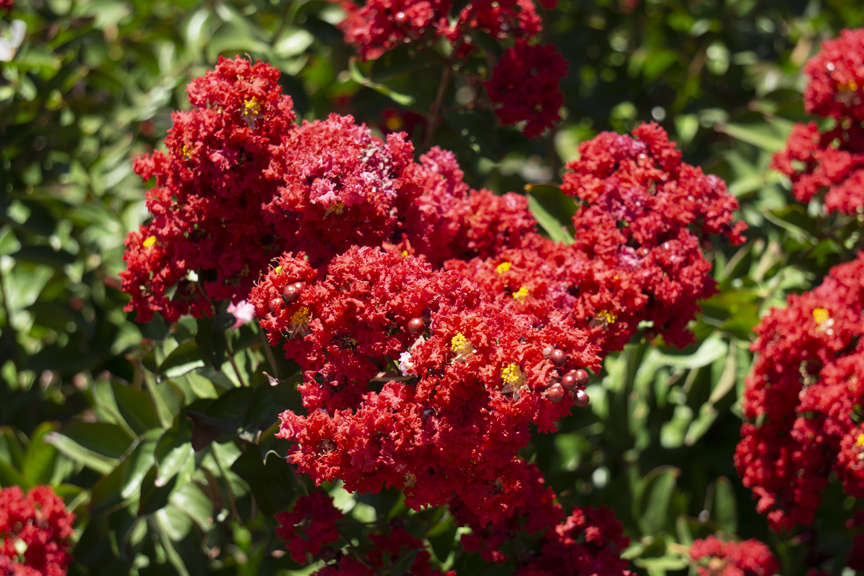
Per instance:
x=160, y=438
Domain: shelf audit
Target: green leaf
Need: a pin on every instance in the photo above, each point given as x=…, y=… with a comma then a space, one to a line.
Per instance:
x=398, y=97
x=98, y=445
x=39, y=458
x=658, y=488
x=556, y=230
x=185, y=358
x=136, y=407
x=724, y=510
x=770, y=136
x=262, y=474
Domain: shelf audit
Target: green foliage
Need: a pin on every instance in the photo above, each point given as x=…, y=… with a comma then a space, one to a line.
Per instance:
x=161, y=439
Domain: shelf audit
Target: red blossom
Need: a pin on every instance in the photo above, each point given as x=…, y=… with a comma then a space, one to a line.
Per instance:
x=715, y=557
x=35, y=530
x=805, y=393
x=378, y=26
x=525, y=87
x=310, y=526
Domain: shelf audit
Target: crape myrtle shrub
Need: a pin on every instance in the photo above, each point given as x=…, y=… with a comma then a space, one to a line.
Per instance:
x=486, y=390
x=434, y=327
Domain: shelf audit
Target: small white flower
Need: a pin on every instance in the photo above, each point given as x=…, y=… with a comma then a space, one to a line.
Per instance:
x=11, y=39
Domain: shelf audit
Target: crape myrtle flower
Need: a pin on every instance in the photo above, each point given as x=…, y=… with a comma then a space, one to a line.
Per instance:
x=310, y=528
x=525, y=87
x=35, y=529
x=206, y=239
x=829, y=163
x=716, y=557
x=377, y=26
x=428, y=373
x=643, y=216
x=803, y=400
x=836, y=87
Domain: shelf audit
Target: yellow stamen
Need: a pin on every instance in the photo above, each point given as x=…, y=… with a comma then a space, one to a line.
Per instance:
x=149, y=241
x=821, y=315
x=404, y=253
x=607, y=316
x=251, y=107
x=859, y=442
x=460, y=345
x=335, y=208
x=521, y=294
x=187, y=151
x=277, y=270
x=850, y=86
x=300, y=318
x=503, y=267
x=512, y=376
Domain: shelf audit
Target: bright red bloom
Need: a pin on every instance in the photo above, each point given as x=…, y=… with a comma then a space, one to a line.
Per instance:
x=831, y=162
x=378, y=26
x=836, y=86
x=34, y=532
x=427, y=363
x=715, y=557
x=501, y=19
x=206, y=240
x=643, y=215
x=588, y=542
x=525, y=87
x=806, y=394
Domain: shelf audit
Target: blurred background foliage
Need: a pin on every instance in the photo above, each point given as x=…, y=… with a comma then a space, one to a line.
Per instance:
x=161, y=438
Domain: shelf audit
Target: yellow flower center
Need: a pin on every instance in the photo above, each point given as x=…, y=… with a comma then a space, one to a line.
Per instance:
x=277, y=270
x=300, y=317
x=521, y=294
x=149, y=241
x=251, y=107
x=503, y=267
x=607, y=316
x=187, y=151
x=821, y=315
x=512, y=376
x=404, y=253
x=859, y=442
x=335, y=208
x=850, y=86
x=460, y=345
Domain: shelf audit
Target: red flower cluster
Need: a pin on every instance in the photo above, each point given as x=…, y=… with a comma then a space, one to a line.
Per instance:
x=241, y=184
x=715, y=557
x=7, y=5
x=588, y=542
x=310, y=527
x=831, y=161
x=435, y=328
x=428, y=361
x=805, y=396
x=523, y=86
x=207, y=239
x=34, y=531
